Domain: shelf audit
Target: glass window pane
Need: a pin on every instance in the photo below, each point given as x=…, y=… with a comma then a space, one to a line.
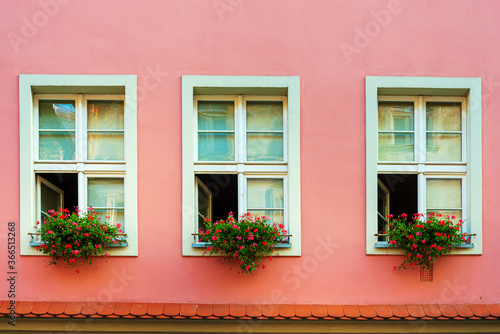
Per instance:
x=112, y=216
x=444, y=193
x=50, y=199
x=264, y=193
x=216, y=146
x=105, y=192
x=264, y=115
x=444, y=147
x=215, y=115
x=105, y=115
x=445, y=213
x=55, y=114
x=275, y=216
x=105, y=146
x=265, y=147
x=204, y=204
x=395, y=147
x=395, y=116
x=444, y=116
x=56, y=145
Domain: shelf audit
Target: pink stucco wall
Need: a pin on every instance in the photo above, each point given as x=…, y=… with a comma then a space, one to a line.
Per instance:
x=256, y=37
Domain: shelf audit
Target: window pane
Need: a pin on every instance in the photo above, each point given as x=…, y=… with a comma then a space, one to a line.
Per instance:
x=444, y=147
x=55, y=114
x=444, y=193
x=105, y=146
x=264, y=115
x=105, y=115
x=216, y=146
x=444, y=116
x=204, y=204
x=264, y=193
x=275, y=216
x=395, y=147
x=50, y=199
x=265, y=147
x=57, y=145
x=214, y=115
x=395, y=116
x=112, y=216
x=105, y=192
x=445, y=213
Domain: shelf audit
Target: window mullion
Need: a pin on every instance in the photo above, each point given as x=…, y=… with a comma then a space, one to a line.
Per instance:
x=240, y=129
x=82, y=192
x=420, y=128
x=79, y=129
x=422, y=193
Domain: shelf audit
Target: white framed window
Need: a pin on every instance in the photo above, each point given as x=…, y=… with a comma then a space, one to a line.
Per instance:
x=241, y=152
x=423, y=144
x=78, y=140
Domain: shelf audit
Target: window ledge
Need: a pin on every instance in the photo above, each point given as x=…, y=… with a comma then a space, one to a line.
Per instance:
x=121, y=244
x=385, y=244
x=203, y=245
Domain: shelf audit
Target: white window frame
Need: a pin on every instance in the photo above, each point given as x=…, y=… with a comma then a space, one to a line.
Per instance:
x=79, y=88
x=420, y=90
x=241, y=89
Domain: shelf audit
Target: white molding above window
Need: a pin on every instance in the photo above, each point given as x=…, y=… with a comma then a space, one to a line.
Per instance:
x=239, y=89
x=469, y=170
x=121, y=87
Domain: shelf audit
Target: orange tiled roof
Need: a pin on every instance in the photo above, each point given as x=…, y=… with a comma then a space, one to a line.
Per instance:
x=30, y=309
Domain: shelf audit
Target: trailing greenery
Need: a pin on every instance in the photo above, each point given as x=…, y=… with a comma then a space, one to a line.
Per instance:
x=424, y=238
x=73, y=236
x=245, y=242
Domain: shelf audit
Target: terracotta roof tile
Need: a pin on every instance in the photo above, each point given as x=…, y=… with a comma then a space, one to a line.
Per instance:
x=431, y=310
x=351, y=311
x=40, y=308
x=479, y=310
x=122, y=309
x=57, y=308
x=286, y=310
x=23, y=307
x=302, y=311
x=155, y=309
x=254, y=310
x=383, y=311
x=188, y=310
x=415, y=310
x=139, y=309
x=89, y=308
x=73, y=308
x=494, y=309
x=170, y=309
x=106, y=309
x=319, y=311
x=464, y=310
x=221, y=310
x=400, y=311
x=204, y=310
x=455, y=312
x=367, y=311
x=236, y=310
x=270, y=310
x=335, y=311
x=448, y=310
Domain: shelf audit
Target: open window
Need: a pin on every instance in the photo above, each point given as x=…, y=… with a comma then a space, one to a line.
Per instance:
x=423, y=152
x=78, y=149
x=240, y=153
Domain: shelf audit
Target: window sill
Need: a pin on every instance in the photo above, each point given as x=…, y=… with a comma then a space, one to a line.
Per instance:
x=121, y=244
x=203, y=245
x=385, y=244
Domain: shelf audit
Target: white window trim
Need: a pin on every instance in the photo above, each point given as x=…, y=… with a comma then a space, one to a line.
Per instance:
x=193, y=85
x=73, y=85
x=470, y=88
